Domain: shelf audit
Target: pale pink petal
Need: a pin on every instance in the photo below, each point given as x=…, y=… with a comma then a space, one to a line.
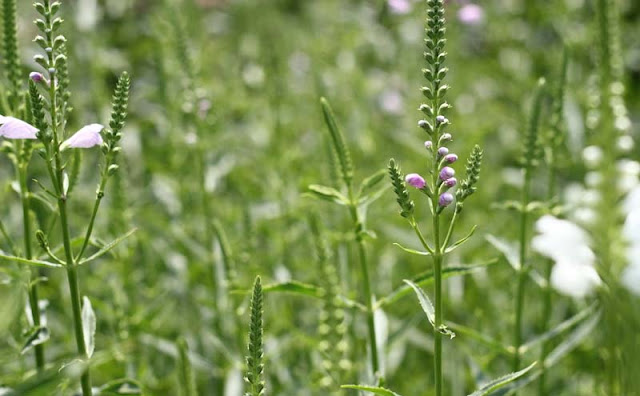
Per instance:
x=13, y=128
x=87, y=136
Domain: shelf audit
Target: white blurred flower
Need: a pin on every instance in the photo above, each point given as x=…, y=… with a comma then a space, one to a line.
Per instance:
x=568, y=245
x=592, y=155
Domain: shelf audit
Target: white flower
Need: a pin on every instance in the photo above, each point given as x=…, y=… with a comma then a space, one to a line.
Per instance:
x=87, y=136
x=568, y=245
x=13, y=128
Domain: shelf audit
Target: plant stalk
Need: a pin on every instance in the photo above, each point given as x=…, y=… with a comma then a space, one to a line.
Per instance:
x=33, y=287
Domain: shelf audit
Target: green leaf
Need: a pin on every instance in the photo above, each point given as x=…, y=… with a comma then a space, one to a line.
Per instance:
x=106, y=248
x=425, y=302
x=413, y=251
x=461, y=241
x=295, y=287
x=38, y=336
x=374, y=196
x=372, y=180
x=371, y=389
x=483, y=339
x=36, y=263
x=327, y=193
x=509, y=251
x=427, y=277
x=88, y=326
x=122, y=386
x=499, y=382
x=572, y=341
x=559, y=329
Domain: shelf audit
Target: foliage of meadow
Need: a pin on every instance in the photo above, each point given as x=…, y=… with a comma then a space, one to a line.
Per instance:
x=332, y=197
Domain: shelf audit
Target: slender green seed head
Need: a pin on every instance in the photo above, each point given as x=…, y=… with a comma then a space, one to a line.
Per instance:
x=255, y=366
x=10, y=48
x=400, y=188
x=339, y=143
x=118, y=114
x=38, y=114
x=532, y=150
x=468, y=185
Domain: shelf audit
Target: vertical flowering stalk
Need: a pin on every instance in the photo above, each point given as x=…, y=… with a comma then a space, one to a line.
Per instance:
x=441, y=175
x=255, y=356
x=51, y=133
x=531, y=154
x=554, y=141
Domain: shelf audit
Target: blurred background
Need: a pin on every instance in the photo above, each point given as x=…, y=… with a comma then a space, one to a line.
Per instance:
x=225, y=115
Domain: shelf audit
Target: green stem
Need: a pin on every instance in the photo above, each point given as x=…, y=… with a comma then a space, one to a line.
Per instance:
x=72, y=274
x=33, y=287
x=94, y=212
x=437, y=272
x=364, y=268
x=547, y=296
x=522, y=271
x=369, y=303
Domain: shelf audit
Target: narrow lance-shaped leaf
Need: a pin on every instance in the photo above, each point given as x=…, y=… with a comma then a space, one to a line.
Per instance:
x=428, y=309
x=88, y=326
x=499, y=382
x=187, y=378
x=255, y=365
x=372, y=389
x=38, y=336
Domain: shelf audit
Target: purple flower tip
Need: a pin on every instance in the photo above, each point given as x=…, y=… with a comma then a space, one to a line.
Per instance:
x=447, y=173
x=428, y=144
x=36, y=77
x=415, y=180
x=451, y=182
x=87, y=136
x=445, y=199
x=451, y=158
x=441, y=119
x=423, y=124
x=442, y=151
x=13, y=128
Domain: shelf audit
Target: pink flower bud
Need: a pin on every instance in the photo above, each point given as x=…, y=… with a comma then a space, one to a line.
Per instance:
x=415, y=180
x=451, y=158
x=442, y=151
x=447, y=173
x=451, y=182
x=445, y=199
x=37, y=77
x=428, y=144
x=440, y=119
x=13, y=128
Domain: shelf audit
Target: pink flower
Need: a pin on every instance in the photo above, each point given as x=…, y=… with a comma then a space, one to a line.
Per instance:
x=13, y=128
x=399, y=6
x=87, y=136
x=447, y=173
x=415, y=180
x=471, y=14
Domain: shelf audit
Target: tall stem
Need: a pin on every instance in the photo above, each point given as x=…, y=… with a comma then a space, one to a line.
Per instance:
x=33, y=287
x=369, y=303
x=547, y=297
x=522, y=271
x=437, y=273
x=72, y=273
x=364, y=268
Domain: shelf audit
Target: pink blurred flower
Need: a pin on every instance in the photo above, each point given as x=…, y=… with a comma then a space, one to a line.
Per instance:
x=471, y=14
x=87, y=136
x=415, y=180
x=399, y=6
x=13, y=128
